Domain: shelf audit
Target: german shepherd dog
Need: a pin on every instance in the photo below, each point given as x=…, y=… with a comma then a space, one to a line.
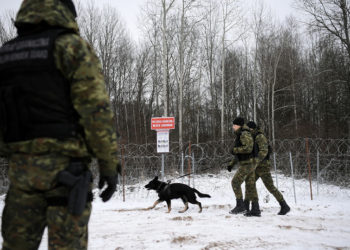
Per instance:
x=167, y=192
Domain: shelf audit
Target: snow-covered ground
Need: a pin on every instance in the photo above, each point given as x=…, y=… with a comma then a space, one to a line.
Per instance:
x=321, y=223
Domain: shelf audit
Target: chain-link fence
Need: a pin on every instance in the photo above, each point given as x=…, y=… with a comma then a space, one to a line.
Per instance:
x=317, y=160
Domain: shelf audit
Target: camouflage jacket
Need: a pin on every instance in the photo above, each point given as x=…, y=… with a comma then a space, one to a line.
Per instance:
x=78, y=62
x=247, y=143
x=262, y=143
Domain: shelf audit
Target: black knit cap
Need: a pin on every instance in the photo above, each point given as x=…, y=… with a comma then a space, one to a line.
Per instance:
x=251, y=124
x=238, y=121
x=70, y=5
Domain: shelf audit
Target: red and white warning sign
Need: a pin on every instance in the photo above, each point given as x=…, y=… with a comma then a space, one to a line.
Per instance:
x=163, y=123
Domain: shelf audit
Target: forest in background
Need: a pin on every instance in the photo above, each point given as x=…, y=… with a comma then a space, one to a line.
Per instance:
x=206, y=62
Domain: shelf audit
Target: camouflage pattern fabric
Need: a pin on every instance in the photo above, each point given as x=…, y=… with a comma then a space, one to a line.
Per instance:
x=263, y=168
x=263, y=172
x=247, y=143
x=78, y=62
x=246, y=140
x=263, y=144
x=26, y=212
x=246, y=170
x=245, y=173
x=34, y=164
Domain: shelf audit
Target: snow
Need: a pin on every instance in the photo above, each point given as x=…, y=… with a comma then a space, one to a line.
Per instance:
x=321, y=223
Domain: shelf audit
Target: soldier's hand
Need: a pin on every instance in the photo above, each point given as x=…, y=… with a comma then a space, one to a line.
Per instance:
x=111, y=182
x=233, y=152
x=229, y=168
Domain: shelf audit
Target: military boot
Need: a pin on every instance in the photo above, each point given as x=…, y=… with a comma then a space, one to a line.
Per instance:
x=246, y=205
x=284, y=208
x=239, y=207
x=255, y=210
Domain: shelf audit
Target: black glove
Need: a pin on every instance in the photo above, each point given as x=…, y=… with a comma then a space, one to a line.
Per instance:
x=229, y=168
x=232, y=152
x=111, y=182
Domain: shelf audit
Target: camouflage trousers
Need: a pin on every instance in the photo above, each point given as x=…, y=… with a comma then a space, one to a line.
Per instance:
x=27, y=212
x=263, y=171
x=245, y=173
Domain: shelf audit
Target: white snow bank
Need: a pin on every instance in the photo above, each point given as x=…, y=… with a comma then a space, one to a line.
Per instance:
x=322, y=223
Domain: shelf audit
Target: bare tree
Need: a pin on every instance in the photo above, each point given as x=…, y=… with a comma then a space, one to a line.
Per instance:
x=332, y=18
x=329, y=16
x=210, y=35
x=231, y=18
x=143, y=70
x=89, y=19
x=260, y=18
x=151, y=27
x=7, y=28
x=165, y=10
x=183, y=34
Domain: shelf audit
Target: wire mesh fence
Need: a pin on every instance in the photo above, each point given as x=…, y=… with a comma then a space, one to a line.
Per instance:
x=318, y=160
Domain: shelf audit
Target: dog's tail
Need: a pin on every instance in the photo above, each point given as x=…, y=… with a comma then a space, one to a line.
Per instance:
x=200, y=194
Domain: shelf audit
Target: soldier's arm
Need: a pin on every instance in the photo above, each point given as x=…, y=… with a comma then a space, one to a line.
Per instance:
x=263, y=146
x=80, y=65
x=234, y=161
x=247, y=144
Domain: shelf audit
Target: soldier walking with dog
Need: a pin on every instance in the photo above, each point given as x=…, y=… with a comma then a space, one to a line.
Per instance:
x=243, y=152
x=262, y=152
x=55, y=116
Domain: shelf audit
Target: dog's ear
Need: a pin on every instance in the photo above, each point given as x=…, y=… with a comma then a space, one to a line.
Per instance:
x=155, y=178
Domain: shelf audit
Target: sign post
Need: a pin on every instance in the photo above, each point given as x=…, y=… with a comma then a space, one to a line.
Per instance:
x=162, y=125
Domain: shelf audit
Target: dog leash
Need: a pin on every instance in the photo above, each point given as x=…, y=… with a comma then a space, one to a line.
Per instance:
x=181, y=176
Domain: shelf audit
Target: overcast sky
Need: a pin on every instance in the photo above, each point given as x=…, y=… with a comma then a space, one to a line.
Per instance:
x=129, y=9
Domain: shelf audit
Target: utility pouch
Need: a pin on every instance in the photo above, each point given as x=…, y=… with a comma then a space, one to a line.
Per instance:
x=77, y=177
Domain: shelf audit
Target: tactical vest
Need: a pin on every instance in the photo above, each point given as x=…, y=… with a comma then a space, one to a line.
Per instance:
x=238, y=143
x=256, y=148
x=35, y=97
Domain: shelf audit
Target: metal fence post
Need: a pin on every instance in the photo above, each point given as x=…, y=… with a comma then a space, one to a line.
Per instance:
x=193, y=169
x=274, y=164
x=189, y=164
x=308, y=164
x=123, y=171
x=318, y=171
x=182, y=163
x=292, y=170
x=163, y=167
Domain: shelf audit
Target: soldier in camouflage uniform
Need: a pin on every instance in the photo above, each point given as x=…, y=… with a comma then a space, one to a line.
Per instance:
x=262, y=157
x=54, y=111
x=243, y=152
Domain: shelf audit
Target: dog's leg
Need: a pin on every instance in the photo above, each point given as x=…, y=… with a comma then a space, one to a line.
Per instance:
x=169, y=205
x=200, y=206
x=185, y=209
x=154, y=205
x=185, y=201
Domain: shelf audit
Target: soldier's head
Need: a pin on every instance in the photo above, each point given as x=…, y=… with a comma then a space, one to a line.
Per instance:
x=238, y=122
x=36, y=15
x=252, y=125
